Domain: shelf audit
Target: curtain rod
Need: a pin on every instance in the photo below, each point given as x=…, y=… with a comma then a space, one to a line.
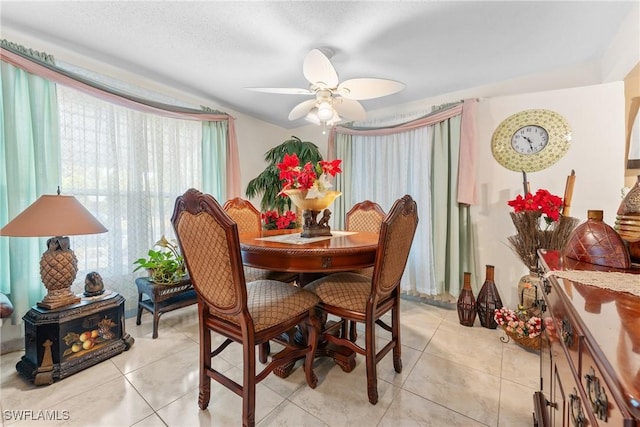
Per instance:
x=44, y=61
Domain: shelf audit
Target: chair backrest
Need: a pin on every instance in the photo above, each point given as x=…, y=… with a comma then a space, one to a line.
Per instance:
x=210, y=246
x=365, y=216
x=396, y=236
x=244, y=214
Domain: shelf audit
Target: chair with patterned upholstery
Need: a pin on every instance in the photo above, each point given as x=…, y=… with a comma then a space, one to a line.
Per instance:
x=246, y=313
x=363, y=216
x=356, y=297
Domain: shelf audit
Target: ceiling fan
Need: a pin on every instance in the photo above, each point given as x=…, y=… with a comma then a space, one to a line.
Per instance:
x=333, y=100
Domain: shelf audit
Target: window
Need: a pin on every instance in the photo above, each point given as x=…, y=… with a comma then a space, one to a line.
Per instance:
x=126, y=168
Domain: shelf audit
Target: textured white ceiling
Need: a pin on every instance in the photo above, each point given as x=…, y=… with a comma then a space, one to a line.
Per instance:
x=215, y=49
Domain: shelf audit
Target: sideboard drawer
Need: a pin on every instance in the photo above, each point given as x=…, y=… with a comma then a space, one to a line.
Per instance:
x=567, y=329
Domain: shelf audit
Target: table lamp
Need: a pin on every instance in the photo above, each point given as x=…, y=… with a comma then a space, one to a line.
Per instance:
x=58, y=216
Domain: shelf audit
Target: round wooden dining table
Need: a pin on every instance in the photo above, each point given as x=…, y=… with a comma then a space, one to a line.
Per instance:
x=283, y=250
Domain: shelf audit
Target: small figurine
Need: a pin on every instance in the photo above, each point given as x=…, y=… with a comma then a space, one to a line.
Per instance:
x=93, y=285
x=308, y=218
x=324, y=221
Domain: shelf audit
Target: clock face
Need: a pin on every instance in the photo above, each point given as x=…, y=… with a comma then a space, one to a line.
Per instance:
x=529, y=139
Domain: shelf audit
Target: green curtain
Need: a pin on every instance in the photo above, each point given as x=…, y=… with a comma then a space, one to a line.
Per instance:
x=451, y=223
x=214, y=159
x=344, y=202
x=30, y=167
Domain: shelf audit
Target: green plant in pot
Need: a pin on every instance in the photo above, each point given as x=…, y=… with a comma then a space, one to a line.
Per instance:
x=165, y=266
x=268, y=182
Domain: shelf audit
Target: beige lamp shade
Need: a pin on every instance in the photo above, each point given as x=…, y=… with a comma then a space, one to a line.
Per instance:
x=53, y=215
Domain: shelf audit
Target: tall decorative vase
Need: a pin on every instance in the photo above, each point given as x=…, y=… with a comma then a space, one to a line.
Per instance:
x=467, y=310
x=528, y=292
x=488, y=300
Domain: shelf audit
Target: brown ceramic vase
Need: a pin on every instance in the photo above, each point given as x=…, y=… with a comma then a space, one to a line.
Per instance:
x=488, y=300
x=597, y=243
x=467, y=303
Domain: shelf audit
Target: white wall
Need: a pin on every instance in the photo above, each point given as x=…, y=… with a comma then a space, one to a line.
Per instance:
x=596, y=116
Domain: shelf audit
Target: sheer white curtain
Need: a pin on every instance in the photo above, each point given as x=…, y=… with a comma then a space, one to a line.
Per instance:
x=385, y=168
x=127, y=168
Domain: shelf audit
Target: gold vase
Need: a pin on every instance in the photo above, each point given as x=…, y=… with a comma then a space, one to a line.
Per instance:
x=311, y=208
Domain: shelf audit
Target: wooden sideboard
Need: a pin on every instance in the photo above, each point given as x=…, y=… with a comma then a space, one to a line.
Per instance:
x=590, y=352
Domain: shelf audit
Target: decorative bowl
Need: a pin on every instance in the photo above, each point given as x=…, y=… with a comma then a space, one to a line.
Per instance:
x=298, y=197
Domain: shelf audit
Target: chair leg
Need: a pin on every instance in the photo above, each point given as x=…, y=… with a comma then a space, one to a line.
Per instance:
x=353, y=332
x=204, y=394
x=249, y=383
x=370, y=360
x=395, y=336
x=313, y=328
x=264, y=350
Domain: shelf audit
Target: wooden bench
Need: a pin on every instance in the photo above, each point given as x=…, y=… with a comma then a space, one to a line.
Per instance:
x=162, y=298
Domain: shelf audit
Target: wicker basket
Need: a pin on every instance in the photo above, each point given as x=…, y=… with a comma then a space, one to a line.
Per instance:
x=524, y=342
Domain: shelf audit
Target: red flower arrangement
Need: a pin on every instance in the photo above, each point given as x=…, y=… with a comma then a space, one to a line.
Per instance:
x=530, y=236
x=543, y=201
x=314, y=178
x=272, y=220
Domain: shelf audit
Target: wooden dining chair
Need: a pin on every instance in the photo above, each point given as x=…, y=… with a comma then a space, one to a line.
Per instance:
x=364, y=216
x=246, y=313
x=249, y=220
x=359, y=298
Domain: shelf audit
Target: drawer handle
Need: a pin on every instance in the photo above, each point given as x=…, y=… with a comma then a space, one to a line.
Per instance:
x=567, y=333
x=597, y=395
x=578, y=419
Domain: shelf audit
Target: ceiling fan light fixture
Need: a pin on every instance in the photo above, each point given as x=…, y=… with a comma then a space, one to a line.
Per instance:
x=325, y=111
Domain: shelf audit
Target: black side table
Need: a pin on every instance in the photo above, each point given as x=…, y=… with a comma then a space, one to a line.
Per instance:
x=63, y=341
x=163, y=298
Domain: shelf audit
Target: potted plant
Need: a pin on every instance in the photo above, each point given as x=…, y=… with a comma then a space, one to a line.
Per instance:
x=165, y=266
x=268, y=182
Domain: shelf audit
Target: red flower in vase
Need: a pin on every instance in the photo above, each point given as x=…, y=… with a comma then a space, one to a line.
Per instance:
x=314, y=178
x=542, y=201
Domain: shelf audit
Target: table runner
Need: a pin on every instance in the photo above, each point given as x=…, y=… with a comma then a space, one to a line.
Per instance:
x=615, y=281
x=295, y=239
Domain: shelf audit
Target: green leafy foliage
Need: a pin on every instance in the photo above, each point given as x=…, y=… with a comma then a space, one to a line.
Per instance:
x=268, y=182
x=163, y=266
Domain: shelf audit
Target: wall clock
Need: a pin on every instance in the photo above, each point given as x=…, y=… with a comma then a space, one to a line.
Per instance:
x=531, y=140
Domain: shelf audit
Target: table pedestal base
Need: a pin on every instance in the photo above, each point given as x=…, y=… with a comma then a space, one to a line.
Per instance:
x=342, y=356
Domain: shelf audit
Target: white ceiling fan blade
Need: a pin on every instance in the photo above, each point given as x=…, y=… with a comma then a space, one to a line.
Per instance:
x=349, y=108
x=318, y=69
x=368, y=88
x=282, y=90
x=302, y=109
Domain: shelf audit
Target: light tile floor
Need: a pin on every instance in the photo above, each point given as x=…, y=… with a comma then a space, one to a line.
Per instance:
x=453, y=376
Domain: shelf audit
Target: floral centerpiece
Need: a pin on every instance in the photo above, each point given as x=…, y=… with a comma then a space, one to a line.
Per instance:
x=540, y=225
x=272, y=220
x=519, y=326
x=309, y=189
x=313, y=178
